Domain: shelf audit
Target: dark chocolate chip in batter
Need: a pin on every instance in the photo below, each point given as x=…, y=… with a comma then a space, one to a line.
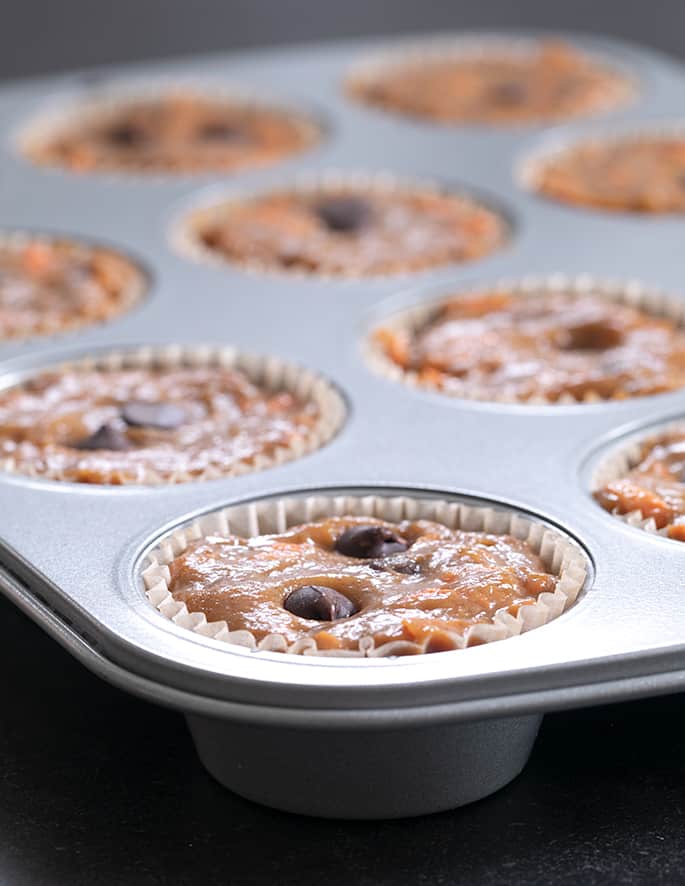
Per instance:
x=344, y=214
x=319, y=603
x=144, y=414
x=591, y=335
x=126, y=135
x=221, y=132
x=508, y=92
x=106, y=437
x=369, y=542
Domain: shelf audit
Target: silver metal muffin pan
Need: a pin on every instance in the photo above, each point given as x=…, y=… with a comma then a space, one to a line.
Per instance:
x=354, y=738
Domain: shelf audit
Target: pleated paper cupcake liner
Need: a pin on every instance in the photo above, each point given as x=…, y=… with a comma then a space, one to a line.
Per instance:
x=621, y=86
x=531, y=170
x=272, y=373
x=412, y=320
x=34, y=139
x=561, y=556
x=131, y=294
x=621, y=460
x=187, y=234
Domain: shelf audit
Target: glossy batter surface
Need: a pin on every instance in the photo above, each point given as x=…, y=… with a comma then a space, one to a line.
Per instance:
x=445, y=580
x=655, y=486
x=630, y=175
x=550, y=346
x=356, y=233
x=550, y=82
x=177, y=132
x=145, y=425
x=54, y=286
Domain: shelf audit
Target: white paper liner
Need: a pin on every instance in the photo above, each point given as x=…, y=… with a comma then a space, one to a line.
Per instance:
x=633, y=293
x=533, y=166
x=621, y=460
x=272, y=373
x=455, y=48
x=561, y=556
x=130, y=296
x=185, y=235
x=98, y=105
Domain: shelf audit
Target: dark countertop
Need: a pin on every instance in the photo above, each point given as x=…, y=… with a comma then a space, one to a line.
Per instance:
x=97, y=787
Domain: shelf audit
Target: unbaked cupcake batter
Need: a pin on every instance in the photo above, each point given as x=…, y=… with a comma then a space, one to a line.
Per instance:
x=552, y=346
x=655, y=486
x=630, y=175
x=53, y=286
x=177, y=132
x=355, y=232
x=346, y=578
x=551, y=81
x=146, y=425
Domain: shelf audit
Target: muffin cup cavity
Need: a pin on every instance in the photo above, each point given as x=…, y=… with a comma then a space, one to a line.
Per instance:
x=632, y=293
x=620, y=460
x=272, y=373
x=129, y=296
x=621, y=87
x=561, y=556
x=187, y=233
x=33, y=139
x=530, y=171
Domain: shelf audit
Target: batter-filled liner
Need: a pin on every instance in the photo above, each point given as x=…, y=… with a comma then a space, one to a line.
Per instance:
x=620, y=461
x=265, y=118
x=313, y=249
x=414, y=320
x=270, y=374
x=636, y=199
x=469, y=62
x=72, y=285
x=562, y=557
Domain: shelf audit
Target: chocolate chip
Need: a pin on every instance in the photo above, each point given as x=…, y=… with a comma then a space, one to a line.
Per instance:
x=144, y=414
x=220, y=132
x=319, y=603
x=345, y=215
x=126, y=135
x=508, y=93
x=591, y=335
x=398, y=563
x=106, y=437
x=369, y=541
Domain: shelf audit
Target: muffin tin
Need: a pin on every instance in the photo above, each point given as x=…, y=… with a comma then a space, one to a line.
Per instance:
x=350, y=737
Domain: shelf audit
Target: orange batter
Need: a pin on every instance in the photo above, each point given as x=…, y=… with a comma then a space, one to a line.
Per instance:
x=345, y=578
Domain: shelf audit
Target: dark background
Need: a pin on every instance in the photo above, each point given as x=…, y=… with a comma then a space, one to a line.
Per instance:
x=47, y=35
x=99, y=788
